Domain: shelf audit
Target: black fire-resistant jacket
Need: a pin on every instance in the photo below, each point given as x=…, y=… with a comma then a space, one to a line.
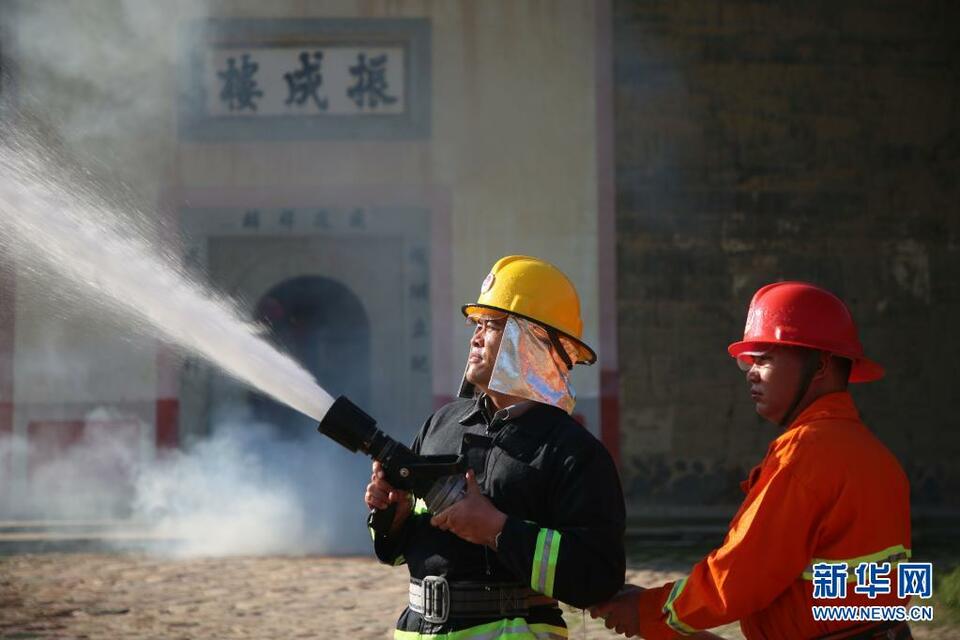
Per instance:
x=560, y=490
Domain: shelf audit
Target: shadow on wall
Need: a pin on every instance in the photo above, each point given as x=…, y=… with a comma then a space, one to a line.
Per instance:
x=666, y=481
x=324, y=326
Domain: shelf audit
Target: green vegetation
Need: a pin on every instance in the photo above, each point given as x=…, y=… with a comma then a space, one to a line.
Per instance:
x=947, y=596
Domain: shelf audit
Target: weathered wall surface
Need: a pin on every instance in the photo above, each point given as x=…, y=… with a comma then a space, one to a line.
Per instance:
x=511, y=150
x=507, y=166
x=761, y=141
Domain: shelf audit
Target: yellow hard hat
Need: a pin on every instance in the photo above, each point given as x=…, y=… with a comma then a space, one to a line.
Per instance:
x=538, y=291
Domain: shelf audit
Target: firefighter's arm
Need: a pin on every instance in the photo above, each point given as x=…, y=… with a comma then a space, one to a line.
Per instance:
x=769, y=544
x=578, y=556
x=389, y=548
x=389, y=545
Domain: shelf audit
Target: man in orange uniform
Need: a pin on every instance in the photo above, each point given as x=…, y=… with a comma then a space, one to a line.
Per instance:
x=828, y=491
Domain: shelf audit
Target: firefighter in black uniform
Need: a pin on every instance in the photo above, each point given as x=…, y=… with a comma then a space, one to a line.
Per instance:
x=543, y=516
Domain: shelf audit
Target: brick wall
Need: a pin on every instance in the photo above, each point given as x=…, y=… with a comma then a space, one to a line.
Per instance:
x=761, y=141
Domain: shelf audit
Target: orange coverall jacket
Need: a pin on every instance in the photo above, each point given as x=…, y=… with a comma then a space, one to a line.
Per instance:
x=827, y=490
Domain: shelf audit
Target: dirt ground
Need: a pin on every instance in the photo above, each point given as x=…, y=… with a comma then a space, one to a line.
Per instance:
x=139, y=596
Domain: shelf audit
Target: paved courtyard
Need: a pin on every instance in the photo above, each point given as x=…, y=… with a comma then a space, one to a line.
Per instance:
x=103, y=595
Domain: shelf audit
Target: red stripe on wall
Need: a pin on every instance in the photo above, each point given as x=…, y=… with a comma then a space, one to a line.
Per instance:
x=607, y=232
x=168, y=423
x=610, y=412
x=8, y=318
x=167, y=418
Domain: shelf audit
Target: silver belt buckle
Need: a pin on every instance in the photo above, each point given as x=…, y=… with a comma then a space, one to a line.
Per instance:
x=436, y=599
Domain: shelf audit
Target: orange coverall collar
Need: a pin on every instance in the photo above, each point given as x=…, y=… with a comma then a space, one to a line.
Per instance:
x=837, y=406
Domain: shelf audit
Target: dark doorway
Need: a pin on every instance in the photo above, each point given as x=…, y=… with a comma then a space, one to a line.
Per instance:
x=323, y=325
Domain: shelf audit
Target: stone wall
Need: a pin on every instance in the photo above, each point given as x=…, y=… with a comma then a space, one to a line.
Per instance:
x=762, y=141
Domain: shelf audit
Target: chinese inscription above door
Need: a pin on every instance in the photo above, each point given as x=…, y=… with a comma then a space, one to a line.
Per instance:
x=305, y=82
x=248, y=79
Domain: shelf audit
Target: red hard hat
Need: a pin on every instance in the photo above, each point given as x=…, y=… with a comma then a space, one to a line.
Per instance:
x=804, y=315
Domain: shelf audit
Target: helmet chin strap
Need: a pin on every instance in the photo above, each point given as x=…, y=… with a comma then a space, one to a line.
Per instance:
x=558, y=346
x=810, y=364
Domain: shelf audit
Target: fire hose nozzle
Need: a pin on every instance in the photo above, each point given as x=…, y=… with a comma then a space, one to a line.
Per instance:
x=437, y=478
x=349, y=426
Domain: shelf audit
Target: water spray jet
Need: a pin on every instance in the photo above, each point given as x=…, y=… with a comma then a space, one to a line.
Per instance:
x=66, y=229
x=69, y=230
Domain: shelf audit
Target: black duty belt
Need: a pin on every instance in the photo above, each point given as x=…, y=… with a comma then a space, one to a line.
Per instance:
x=437, y=600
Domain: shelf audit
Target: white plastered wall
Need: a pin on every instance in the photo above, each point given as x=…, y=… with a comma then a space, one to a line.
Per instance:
x=512, y=147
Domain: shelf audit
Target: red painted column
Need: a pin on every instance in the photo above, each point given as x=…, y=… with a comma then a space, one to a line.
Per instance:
x=168, y=362
x=8, y=316
x=606, y=231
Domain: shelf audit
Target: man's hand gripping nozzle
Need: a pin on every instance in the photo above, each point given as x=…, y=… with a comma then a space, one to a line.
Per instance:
x=438, y=480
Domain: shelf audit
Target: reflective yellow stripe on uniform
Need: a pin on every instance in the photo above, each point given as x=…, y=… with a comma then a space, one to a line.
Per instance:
x=514, y=628
x=673, y=620
x=544, y=568
x=420, y=507
x=893, y=555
